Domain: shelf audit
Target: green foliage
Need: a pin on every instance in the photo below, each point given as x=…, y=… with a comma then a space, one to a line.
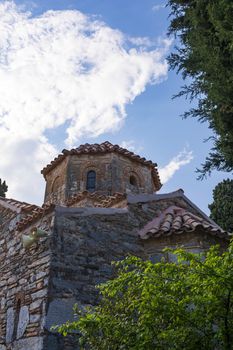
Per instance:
x=183, y=305
x=205, y=54
x=3, y=188
x=222, y=207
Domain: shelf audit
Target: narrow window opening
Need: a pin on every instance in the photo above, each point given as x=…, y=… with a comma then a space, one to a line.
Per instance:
x=91, y=181
x=17, y=311
x=133, y=181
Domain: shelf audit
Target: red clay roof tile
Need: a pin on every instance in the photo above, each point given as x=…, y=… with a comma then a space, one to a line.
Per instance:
x=36, y=214
x=18, y=205
x=176, y=220
x=99, y=200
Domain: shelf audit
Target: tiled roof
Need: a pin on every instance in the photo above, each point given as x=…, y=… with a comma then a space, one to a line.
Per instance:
x=31, y=212
x=16, y=205
x=99, y=200
x=36, y=214
x=105, y=147
x=176, y=220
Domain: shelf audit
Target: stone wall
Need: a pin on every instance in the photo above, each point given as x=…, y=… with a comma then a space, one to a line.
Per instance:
x=24, y=278
x=87, y=240
x=194, y=242
x=39, y=286
x=85, y=243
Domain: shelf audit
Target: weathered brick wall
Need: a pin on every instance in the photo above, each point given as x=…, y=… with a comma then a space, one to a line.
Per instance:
x=81, y=164
x=124, y=168
x=112, y=174
x=6, y=216
x=24, y=278
x=55, y=191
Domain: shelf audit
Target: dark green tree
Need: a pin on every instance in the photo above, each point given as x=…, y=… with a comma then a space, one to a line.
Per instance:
x=222, y=207
x=204, y=56
x=3, y=188
x=165, y=306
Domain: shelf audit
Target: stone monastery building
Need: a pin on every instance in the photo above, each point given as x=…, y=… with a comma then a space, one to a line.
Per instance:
x=100, y=204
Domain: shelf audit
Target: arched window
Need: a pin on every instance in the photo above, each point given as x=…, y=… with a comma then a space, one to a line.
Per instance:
x=91, y=181
x=133, y=180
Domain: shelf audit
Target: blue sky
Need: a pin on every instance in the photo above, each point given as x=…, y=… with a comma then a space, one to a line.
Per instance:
x=95, y=70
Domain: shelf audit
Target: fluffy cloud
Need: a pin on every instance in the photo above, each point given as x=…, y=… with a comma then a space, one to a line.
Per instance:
x=21, y=162
x=175, y=164
x=63, y=69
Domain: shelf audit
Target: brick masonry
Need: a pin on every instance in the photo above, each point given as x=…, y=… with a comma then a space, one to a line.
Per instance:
x=113, y=172
x=24, y=278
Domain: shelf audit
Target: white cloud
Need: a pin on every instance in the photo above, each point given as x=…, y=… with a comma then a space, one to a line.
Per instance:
x=63, y=68
x=21, y=162
x=167, y=172
x=156, y=8
x=131, y=146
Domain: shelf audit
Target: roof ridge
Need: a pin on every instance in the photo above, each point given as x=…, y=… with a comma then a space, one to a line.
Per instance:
x=16, y=205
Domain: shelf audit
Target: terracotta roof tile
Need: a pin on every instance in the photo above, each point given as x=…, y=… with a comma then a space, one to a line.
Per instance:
x=176, y=220
x=105, y=147
x=99, y=200
x=17, y=205
x=36, y=214
x=31, y=212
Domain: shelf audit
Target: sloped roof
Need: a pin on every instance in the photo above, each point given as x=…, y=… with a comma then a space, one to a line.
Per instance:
x=36, y=214
x=31, y=212
x=105, y=147
x=15, y=205
x=99, y=200
x=176, y=220
x=173, y=220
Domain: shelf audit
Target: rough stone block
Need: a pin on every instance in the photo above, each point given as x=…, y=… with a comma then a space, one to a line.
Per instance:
x=60, y=311
x=23, y=321
x=33, y=343
x=10, y=318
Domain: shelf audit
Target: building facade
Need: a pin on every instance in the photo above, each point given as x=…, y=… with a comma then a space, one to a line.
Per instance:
x=101, y=204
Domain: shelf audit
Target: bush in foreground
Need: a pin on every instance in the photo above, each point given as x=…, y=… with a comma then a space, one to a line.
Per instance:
x=183, y=305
